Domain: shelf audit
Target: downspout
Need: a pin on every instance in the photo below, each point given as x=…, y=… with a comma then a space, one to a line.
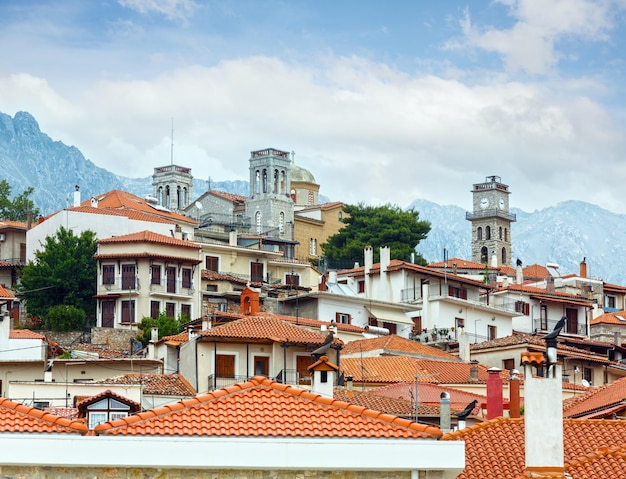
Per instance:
x=196, y=346
x=214, y=365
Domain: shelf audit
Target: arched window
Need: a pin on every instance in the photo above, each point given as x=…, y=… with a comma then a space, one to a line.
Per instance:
x=484, y=255
x=500, y=234
x=167, y=197
x=479, y=233
x=257, y=182
x=264, y=181
x=185, y=198
x=488, y=232
x=281, y=223
x=282, y=182
x=160, y=195
x=503, y=256
x=276, y=181
x=179, y=197
x=257, y=220
x=506, y=234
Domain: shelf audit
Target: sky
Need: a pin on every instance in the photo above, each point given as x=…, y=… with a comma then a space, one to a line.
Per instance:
x=383, y=102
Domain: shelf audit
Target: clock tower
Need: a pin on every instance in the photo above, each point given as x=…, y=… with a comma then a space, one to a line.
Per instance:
x=491, y=222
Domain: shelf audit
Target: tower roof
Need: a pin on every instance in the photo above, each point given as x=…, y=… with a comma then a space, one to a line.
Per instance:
x=299, y=174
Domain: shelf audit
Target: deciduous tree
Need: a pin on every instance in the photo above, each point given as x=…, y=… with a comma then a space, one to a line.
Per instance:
x=16, y=209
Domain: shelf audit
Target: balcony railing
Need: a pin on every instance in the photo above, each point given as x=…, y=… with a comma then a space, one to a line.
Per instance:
x=547, y=325
x=218, y=382
x=489, y=213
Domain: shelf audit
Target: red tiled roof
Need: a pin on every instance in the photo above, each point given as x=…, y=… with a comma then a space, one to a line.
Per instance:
x=395, y=345
x=495, y=448
x=261, y=407
x=233, y=198
x=150, y=237
x=15, y=417
x=595, y=401
x=618, y=317
x=396, y=369
x=266, y=328
x=430, y=394
x=5, y=293
x=12, y=224
x=155, y=384
x=460, y=263
x=536, y=271
x=25, y=334
x=397, y=407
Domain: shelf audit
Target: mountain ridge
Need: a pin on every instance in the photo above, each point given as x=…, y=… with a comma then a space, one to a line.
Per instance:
x=564, y=233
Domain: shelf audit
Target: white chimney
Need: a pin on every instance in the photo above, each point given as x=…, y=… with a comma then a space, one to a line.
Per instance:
x=519, y=274
x=385, y=255
x=369, y=259
x=76, y=195
x=324, y=377
x=494, y=260
x=232, y=238
x=94, y=203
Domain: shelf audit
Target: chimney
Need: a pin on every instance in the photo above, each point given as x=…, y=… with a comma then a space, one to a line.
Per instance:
x=206, y=323
x=494, y=260
x=494, y=393
x=519, y=273
x=369, y=259
x=94, y=203
x=444, y=413
x=505, y=282
x=385, y=255
x=514, y=395
x=464, y=346
x=178, y=232
x=322, y=283
x=543, y=418
x=324, y=377
x=349, y=384
x=76, y=195
x=550, y=285
x=617, y=335
x=332, y=277
x=29, y=219
x=583, y=268
x=232, y=238
x=473, y=371
x=154, y=335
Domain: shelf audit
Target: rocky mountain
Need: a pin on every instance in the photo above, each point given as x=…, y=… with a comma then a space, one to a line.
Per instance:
x=563, y=234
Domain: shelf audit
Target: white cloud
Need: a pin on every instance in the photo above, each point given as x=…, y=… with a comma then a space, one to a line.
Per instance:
x=531, y=44
x=170, y=9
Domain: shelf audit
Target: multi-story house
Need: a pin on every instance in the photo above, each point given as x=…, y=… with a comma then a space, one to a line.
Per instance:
x=12, y=250
x=144, y=274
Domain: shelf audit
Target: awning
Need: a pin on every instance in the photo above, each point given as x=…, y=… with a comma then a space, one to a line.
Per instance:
x=389, y=315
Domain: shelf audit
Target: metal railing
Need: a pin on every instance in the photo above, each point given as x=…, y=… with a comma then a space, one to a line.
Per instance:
x=218, y=382
x=547, y=325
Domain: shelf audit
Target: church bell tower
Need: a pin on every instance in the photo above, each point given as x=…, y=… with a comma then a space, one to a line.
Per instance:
x=491, y=222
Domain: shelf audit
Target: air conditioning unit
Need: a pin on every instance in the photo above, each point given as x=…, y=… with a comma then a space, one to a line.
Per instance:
x=2, y=237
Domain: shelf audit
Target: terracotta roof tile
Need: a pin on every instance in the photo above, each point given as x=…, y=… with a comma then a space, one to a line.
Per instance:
x=618, y=317
x=395, y=345
x=485, y=455
x=395, y=369
x=15, y=417
x=156, y=384
x=150, y=237
x=5, y=293
x=25, y=334
x=261, y=407
x=430, y=394
x=536, y=271
x=12, y=224
x=595, y=401
x=233, y=198
x=103, y=351
x=266, y=328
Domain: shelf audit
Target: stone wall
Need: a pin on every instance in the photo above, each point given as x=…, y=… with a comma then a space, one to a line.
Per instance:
x=116, y=339
x=39, y=472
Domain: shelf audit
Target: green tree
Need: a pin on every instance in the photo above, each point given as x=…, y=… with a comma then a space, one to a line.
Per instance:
x=64, y=318
x=377, y=226
x=63, y=273
x=167, y=326
x=16, y=209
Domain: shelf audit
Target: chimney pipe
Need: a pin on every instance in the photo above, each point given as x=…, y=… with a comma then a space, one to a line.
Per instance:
x=494, y=393
x=514, y=395
x=583, y=268
x=76, y=195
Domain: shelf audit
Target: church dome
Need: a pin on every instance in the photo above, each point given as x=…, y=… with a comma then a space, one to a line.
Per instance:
x=301, y=175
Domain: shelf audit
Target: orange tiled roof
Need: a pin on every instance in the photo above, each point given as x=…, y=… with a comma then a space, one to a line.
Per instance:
x=15, y=417
x=82, y=404
x=396, y=369
x=395, y=345
x=460, y=264
x=150, y=237
x=429, y=394
x=156, y=384
x=495, y=448
x=266, y=328
x=536, y=271
x=618, y=317
x=261, y=407
x=613, y=288
x=116, y=202
x=25, y=334
x=596, y=401
x=5, y=293
x=397, y=407
x=12, y=224
x=233, y=198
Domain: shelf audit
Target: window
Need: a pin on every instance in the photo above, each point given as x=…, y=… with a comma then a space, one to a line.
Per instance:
x=588, y=375
x=128, y=276
x=23, y=252
x=488, y=232
x=108, y=274
x=225, y=365
x=610, y=301
x=292, y=279
x=256, y=271
x=361, y=286
x=457, y=292
x=479, y=233
x=572, y=321
x=500, y=232
x=185, y=311
x=128, y=311
x=105, y=410
x=170, y=310
x=343, y=318
x=503, y=256
x=155, y=309
x=186, y=278
x=212, y=288
x=340, y=216
x=108, y=314
x=155, y=274
x=222, y=307
x=508, y=364
x=491, y=332
x=171, y=279
x=543, y=315
x=484, y=255
x=261, y=365
x=311, y=198
x=41, y=404
x=522, y=307
x=506, y=234
x=259, y=226
x=212, y=263
x=392, y=327
x=281, y=223
x=417, y=325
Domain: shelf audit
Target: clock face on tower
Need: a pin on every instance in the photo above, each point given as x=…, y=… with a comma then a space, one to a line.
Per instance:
x=501, y=203
x=484, y=203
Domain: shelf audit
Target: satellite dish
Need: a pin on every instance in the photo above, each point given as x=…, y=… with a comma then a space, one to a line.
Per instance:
x=198, y=205
x=585, y=383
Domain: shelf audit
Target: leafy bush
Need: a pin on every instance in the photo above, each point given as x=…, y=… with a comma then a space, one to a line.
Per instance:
x=167, y=326
x=63, y=318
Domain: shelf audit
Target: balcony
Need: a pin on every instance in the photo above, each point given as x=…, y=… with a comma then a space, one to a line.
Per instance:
x=489, y=213
x=544, y=325
x=286, y=376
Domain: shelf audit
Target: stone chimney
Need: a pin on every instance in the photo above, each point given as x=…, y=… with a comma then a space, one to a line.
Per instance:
x=321, y=283
x=178, y=232
x=494, y=394
x=444, y=413
x=617, y=335
x=583, y=268
x=76, y=195
x=473, y=371
x=543, y=418
x=550, y=285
